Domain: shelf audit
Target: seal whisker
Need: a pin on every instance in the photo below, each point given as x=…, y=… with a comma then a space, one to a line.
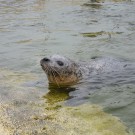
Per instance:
x=52, y=71
x=57, y=72
x=47, y=69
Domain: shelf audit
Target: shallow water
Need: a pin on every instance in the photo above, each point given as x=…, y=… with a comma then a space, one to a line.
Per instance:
x=32, y=29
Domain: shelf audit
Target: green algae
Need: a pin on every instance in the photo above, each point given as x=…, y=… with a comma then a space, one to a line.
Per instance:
x=83, y=119
x=14, y=79
x=86, y=119
x=6, y=125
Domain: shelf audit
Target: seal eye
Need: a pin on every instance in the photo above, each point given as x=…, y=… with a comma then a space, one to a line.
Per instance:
x=60, y=63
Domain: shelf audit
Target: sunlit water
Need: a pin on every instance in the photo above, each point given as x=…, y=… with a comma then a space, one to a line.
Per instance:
x=32, y=29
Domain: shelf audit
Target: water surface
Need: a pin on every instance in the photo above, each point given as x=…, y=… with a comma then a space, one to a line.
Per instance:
x=32, y=29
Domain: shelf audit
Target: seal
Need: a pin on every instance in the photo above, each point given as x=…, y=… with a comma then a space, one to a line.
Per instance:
x=62, y=71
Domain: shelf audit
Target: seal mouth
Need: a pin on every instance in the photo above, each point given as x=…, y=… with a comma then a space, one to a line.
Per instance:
x=50, y=71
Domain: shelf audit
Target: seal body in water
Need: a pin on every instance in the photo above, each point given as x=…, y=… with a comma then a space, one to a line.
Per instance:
x=62, y=71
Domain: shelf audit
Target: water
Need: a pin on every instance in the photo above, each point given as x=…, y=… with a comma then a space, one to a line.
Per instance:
x=32, y=29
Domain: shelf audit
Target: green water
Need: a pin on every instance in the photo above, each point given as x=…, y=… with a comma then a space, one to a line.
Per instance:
x=32, y=29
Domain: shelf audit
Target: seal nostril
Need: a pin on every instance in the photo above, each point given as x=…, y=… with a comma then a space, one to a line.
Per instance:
x=46, y=59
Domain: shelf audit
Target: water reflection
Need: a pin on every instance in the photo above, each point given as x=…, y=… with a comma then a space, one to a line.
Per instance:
x=56, y=95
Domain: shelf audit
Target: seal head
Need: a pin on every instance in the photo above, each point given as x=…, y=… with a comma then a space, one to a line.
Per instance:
x=60, y=70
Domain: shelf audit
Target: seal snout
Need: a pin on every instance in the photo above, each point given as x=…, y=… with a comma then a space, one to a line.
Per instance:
x=44, y=60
